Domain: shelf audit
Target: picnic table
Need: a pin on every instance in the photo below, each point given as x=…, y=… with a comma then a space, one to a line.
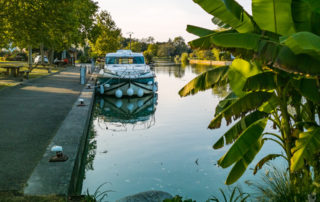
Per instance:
x=12, y=70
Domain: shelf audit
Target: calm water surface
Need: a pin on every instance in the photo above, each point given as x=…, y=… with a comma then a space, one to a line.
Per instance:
x=160, y=143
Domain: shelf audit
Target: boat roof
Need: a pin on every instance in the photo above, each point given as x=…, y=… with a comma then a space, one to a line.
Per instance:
x=124, y=53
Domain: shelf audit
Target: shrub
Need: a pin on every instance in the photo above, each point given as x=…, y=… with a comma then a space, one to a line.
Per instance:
x=177, y=59
x=216, y=54
x=184, y=58
x=148, y=56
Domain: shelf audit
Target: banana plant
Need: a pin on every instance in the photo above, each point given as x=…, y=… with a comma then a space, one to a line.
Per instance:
x=260, y=96
x=277, y=80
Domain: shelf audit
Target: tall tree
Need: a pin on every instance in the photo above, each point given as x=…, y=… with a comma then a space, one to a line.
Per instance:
x=49, y=23
x=108, y=35
x=180, y=45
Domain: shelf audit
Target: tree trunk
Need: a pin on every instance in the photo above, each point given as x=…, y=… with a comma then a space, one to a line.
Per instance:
x=42, y=53
x=51, y=56
x=30, y=57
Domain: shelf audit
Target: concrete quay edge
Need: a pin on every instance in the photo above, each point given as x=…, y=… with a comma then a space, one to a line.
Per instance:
x=59, y=178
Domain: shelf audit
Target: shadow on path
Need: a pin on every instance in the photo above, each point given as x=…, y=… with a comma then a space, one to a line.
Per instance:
x=30, y=115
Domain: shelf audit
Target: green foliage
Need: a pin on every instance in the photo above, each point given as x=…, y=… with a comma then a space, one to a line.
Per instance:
x=235, y=131
x=180, y=45
x=254, y=83
x=108, y=39
x=230, y=12
x=238, y=73
x=279, y=38
x=166, y=50
x=240, y=153
x=136, y=46
x=216, y=54
x=97, y=195
x=272, y=16
x=15, y=56
x=303, y=43
x=274, y=185
x=306, y=146
x=56, y=25
x=236, y=195
x=265, y=160
x=148, y=56
x=153, y=49
x=240, y=107
x=309, y=88
x=184, y=58
x=209, y=79
x=199, y=31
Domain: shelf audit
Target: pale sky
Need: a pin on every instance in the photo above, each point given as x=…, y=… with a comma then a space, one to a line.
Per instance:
x=162, y=19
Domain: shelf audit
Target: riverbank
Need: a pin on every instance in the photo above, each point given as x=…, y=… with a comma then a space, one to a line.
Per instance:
x=33, y=113
x=210, y=62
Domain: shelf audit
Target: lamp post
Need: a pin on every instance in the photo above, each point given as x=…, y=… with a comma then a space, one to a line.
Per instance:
x=130, y=34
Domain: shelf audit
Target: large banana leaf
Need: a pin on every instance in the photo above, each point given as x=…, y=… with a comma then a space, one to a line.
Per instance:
x=203, y=43
x=236, y=40
x=270, y=105
x=198, y=31
x=240, y=166
x=271, y=53
x=273, y=15
x=243, y=144
x=206, y=42
x=238, y=73
x=225, y=103
x=205, y=81
x=306, y=147
x=314, y=5
x=315, y=23
x=288, y=61
x=303, y=43
x=264, y=81
x=229, y=12
x=265, y=160
x=306, y=15
x=301, y=14
x=281, y=57
x=228, y=39
x=233, y=133
x=308, y=88
x=241, y=106
x=220, y=23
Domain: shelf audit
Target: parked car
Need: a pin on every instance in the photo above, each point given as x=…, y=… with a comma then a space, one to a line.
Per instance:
x=37, y=60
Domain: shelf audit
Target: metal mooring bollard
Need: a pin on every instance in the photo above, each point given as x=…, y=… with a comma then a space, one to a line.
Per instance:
x=82, y=75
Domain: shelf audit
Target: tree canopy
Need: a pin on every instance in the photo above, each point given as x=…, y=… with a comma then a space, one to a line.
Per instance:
x=55, y=24
x=107, y=35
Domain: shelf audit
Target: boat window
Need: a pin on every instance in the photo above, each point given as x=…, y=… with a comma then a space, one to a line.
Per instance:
x=125, y=60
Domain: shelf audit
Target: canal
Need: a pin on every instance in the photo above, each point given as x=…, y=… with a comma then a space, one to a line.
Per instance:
x=159, y=143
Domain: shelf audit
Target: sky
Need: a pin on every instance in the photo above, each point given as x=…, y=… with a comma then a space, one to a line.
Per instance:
x=162, y=19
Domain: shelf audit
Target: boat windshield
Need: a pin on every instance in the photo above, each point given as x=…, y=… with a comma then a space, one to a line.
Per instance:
x=125, y=60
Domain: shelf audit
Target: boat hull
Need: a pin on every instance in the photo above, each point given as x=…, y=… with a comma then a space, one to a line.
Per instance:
x=120, y=87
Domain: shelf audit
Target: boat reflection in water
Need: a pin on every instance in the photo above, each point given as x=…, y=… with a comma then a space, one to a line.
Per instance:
x=135, y=113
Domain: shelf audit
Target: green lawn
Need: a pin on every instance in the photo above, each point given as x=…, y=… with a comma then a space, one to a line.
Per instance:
x=8, y=81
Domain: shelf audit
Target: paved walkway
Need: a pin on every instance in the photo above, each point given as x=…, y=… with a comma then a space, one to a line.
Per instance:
x=30, y=115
